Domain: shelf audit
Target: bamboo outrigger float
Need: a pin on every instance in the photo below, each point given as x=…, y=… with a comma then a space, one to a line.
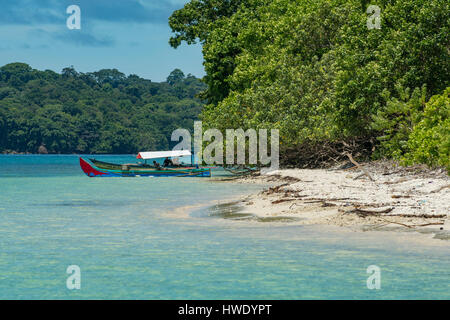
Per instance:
x=95, y=168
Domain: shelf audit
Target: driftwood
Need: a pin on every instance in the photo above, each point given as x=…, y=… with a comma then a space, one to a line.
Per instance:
x=292, y=205
x=277, y=177
x=428, y=224
x=243, y=171
x=398, y=181
x=365, y=212
x=276, y=189
x=359, y=166
x=399, y=223
x=413, y=225
x=324, y=203
x=440, y=189
x=283, y=200
x=315, y=201
x=330, y=199
x=359, y=176
x=328, y=204
x=425, y=216
x=350, y=168
x=392, y=172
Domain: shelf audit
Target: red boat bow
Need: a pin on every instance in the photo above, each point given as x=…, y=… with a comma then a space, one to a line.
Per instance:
x=89, y=170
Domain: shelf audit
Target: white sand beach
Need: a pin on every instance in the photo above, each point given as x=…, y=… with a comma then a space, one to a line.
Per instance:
x=387, y=196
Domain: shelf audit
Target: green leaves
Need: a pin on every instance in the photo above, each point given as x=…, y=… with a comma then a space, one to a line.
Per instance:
x=316, y=72
x=429, y=141
x=397, y=119
x=197, y=19
x=176, y=76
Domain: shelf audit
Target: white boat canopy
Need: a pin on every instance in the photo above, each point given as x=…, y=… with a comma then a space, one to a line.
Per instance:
x=162, y=154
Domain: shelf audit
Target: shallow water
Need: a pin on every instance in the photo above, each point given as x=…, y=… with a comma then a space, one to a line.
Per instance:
x=135, y=238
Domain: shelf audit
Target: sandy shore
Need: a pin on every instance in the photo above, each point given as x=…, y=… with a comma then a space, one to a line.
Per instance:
x=377, y=195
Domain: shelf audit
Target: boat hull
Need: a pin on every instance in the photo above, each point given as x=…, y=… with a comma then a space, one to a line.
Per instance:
x=91, y=170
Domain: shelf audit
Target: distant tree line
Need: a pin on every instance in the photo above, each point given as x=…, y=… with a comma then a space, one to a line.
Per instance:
x=98, y=112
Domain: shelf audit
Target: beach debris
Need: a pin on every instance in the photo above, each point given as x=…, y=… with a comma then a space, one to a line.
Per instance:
x=359, y=176
x=392, y=172
x=398, y=196
x=293, y=205
x=441, y=188
x=403, y=179
x=347, y=166
x=424, y=216
x=242, y=170
x=412, y=225
x=415, y=203
x=364, y=212
x=275, y=189
x=359, y=166
x=283, y=200
x=328, y=204
x=329, y=199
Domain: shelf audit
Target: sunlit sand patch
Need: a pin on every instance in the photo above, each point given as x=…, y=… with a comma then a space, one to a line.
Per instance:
x=397, y=200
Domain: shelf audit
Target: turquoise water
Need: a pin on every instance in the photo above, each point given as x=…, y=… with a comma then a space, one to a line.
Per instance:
x=130, y=241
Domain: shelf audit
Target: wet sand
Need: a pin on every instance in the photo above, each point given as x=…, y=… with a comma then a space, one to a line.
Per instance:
x=387, y=198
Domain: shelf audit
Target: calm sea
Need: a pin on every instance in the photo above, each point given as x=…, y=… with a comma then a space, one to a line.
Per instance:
x=133, y=238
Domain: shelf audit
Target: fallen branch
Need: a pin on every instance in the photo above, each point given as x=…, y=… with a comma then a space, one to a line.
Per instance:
x=425, y=216
x=276, y=189
x=328, y=204
x=292, y=205
x=359, y=176
x=330, y=199
x=429, y=224
x=399, y=223
x=366, y=212
x=350, y=168
x=282, y=200
x=441, y=188
x=413, y=225
x=398, y=181
x=359, y=166
x=392, y=172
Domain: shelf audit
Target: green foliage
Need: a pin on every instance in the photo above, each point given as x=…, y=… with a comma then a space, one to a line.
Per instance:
x=176, y=76
x=397, y=119
x=315, y=71
x=203, y=20
x=99, y=112
x=195, y=20
x=429, y=141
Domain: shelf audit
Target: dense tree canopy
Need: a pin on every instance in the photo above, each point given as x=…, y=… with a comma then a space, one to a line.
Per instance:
x=313, y=69
x=98, y=112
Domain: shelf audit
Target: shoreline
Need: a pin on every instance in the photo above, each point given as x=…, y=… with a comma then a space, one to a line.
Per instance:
x=398, y=198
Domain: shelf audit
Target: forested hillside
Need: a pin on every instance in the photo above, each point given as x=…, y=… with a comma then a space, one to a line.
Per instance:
x=98, y=112
x=314, y=70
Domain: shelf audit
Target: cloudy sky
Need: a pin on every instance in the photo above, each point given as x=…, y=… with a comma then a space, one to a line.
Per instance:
x=130, y=35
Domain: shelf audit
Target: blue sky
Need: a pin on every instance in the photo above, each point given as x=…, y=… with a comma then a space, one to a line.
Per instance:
x=130, y=35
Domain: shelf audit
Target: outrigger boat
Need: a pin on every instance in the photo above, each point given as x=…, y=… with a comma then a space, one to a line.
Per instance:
x=96, y=168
